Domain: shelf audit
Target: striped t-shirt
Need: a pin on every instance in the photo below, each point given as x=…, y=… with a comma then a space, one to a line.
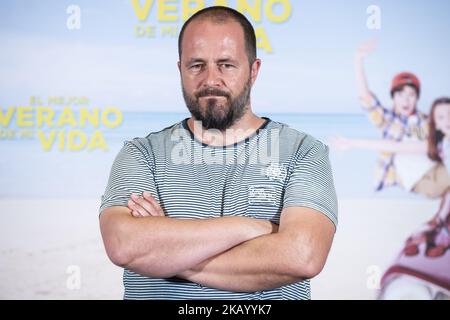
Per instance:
x=274, y=168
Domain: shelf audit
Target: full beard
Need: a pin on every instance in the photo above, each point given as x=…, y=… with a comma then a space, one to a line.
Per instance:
x=218, y=115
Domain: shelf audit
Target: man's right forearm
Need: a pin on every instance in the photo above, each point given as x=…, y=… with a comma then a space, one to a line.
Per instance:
x=163, y=247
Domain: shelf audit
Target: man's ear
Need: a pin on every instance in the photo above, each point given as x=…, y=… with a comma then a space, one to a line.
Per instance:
x=255, y=70
x=179, y=66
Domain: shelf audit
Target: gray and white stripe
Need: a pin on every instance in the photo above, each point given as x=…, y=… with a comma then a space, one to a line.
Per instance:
x=195, y=181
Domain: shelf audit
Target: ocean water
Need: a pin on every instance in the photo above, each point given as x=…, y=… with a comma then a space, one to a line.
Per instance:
x=26, y=170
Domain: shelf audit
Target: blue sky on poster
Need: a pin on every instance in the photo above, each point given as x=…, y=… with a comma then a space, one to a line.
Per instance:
x=310, y=70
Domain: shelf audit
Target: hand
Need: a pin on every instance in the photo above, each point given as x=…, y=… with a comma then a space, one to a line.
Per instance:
x=366, y=48
x=263, y=227
x=273, y=228
x=144, y=206
x=341, y=143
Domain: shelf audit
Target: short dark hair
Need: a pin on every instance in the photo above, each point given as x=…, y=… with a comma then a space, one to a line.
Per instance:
x=401, y=87
x=221, y=14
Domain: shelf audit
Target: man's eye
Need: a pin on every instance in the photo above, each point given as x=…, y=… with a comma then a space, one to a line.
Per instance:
x=195, y=67
x=226, y=66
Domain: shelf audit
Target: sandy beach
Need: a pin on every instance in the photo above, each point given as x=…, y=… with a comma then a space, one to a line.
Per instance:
x=47, y=244
x=52, y=249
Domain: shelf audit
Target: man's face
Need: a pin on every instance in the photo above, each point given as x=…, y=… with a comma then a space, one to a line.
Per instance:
x=442, y=118
x=405, y=101
x=215, y=73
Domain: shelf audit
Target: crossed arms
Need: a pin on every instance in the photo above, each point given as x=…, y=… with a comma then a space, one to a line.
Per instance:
x=230, y=253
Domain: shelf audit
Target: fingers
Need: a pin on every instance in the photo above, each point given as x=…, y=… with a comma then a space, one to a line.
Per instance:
x=140, y=206
x=367, y=47
x=337, y=142
x=136, y=210
x=147, y=196
x=144, y=206
x=135, y=213
x=370, y=44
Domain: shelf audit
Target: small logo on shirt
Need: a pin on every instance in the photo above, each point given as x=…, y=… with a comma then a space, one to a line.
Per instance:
x=262, y=194
x=276, y=171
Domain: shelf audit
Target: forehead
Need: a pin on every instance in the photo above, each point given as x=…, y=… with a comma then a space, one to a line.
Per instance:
x=408, y=89
x=203, y=35
x=442, y=108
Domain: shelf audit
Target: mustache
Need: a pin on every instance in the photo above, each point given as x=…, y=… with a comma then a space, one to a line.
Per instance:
x=211, y=92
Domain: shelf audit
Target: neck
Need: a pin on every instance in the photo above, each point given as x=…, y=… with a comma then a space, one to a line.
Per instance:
x=240, y=130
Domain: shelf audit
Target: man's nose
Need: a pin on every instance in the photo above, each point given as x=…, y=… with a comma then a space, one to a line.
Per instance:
x=213, y=77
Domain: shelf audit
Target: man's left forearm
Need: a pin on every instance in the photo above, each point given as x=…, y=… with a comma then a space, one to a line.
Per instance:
x=262, y=263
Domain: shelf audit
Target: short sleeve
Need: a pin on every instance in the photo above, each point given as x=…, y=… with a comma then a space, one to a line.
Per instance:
x=376, y=112
x=310, y=183
x=131, y=172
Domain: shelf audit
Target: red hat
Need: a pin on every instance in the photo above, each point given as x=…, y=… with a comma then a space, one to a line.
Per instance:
x=405, y=78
